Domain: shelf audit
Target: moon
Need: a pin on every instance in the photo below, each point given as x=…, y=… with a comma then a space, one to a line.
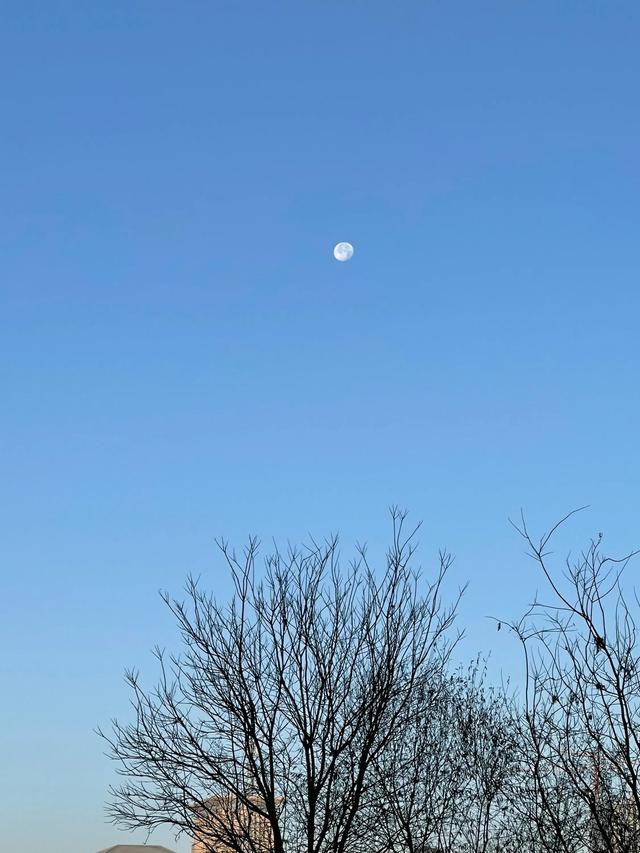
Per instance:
x=343, y=252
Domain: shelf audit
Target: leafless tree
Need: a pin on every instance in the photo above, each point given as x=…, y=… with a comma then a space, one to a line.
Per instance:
x=444, y=780
x=265, y=733
x=581, y=737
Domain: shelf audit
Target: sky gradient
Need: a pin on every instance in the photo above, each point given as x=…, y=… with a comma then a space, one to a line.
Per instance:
x=182, y=358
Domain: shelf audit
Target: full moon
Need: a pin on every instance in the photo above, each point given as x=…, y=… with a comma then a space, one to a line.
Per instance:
x=343, y=252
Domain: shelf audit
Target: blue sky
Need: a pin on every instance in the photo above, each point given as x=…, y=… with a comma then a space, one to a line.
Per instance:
x=181, y=357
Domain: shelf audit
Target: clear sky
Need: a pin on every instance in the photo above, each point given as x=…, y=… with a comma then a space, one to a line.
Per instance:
x=182, y=358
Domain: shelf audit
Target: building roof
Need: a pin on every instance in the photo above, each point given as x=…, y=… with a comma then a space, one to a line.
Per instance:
x=136, y=848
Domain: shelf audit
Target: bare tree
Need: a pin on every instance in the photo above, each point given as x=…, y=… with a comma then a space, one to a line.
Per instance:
x=444, y=780
x=582, y=705
x=266, y=731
